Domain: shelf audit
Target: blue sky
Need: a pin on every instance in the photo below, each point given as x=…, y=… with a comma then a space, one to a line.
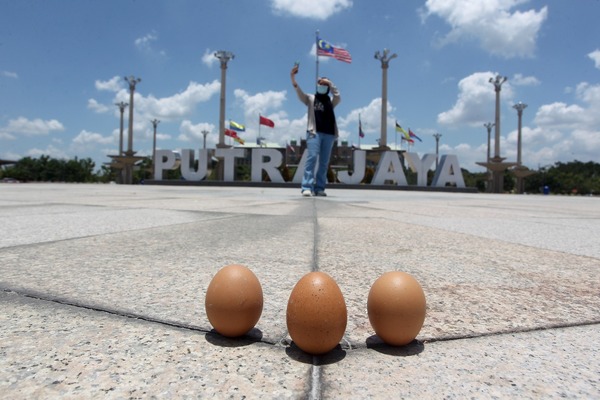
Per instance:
x=62, y=64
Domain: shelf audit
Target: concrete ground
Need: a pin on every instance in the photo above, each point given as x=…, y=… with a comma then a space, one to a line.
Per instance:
x=102, y=292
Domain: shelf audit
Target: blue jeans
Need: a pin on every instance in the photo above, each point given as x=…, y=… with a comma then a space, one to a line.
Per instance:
x=319, y=148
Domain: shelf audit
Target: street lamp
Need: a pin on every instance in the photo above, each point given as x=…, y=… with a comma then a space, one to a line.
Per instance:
x=122, y=105
x=519, y=107
x=437, y=137
x=224, y=57
x=132, y=81
x=385, y=62
x=489, y=127
x=498, y=175
x=155, y=123
x=497, y=82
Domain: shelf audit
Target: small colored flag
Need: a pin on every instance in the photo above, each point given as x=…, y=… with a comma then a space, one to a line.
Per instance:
x=406, y=135
x=412, y=135
x=408, y=140
x=236, y=127
x=230, y=133
x=291, y=148
x=327, y=50
x=360, y=131
x=259, y=140
x=266, y=122
x=239, y=140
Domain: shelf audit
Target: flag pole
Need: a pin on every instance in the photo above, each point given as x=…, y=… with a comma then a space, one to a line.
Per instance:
x=359, y=129
x=317, y=56
x=259, y=138
x=396, y=137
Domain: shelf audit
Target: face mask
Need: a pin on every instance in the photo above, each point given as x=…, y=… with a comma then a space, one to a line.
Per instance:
x=322, y=89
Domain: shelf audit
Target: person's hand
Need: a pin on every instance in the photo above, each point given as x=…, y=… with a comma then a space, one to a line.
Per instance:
x=294, y=70
x=324, y=81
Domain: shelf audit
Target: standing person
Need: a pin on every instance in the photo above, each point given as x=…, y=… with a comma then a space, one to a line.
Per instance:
x=321, y=132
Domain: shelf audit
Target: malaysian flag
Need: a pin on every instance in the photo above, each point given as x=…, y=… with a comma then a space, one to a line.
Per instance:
x=327, y=50
x=361, y=134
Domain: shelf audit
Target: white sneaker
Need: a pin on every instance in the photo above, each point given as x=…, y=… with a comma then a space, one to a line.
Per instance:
x=306, y=193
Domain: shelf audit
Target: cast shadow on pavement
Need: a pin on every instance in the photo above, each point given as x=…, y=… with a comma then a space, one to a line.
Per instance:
x=213, y=337
x=412, y=349
x=331, y=357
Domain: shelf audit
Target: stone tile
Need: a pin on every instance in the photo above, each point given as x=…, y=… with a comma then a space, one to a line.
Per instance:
x=163, y=272
x=472, y=286
x=48, y=350
x=556, y=363
x=102, y=290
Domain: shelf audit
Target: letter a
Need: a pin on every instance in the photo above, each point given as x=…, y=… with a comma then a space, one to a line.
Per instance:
x=389, y=169
x=448, y=172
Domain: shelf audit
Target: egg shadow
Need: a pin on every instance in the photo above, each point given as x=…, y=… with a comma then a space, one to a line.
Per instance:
x=253, y=336
x=333, y=356
x=415, y=347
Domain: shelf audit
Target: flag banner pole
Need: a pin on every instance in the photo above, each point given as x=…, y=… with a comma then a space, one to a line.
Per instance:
x=259, y=138
x=317, y=56
x=359, y=130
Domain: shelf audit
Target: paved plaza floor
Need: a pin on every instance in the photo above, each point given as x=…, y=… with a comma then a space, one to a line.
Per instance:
x=102, y=292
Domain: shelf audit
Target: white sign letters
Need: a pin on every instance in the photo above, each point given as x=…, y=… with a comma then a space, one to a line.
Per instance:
x=389, y=169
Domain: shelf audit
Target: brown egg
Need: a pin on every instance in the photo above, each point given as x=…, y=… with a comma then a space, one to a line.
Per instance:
x=316, y=313
x=234, y=301
x=396, y=308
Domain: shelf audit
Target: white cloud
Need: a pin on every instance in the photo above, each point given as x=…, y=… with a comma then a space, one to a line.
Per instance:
x=145, y=44
x=6, y=135
x=51, y=151
x=312, y=9
x=189, y=132
x=499, y=30
x=595, y=56
x=34, y=127
x=520, y=80
x=560, y=115
x=176, y=106
x=589, y=94
x=9, y=155
x=475, y=104
x=208, y=58
x=582, y=118
x=97, y=107
x=9, y=74
x=558, y=132
x=86, y=137
x=370, y=117
x=114, y=84
x=259, y=102
x=562, y=130
x=467, y=155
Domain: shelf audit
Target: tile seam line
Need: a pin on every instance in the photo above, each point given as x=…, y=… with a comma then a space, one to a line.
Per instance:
x=542, y=328
x=315, y=368
x=116, y=312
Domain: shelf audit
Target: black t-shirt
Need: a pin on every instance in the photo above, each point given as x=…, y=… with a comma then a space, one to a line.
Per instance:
x=324, y=116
